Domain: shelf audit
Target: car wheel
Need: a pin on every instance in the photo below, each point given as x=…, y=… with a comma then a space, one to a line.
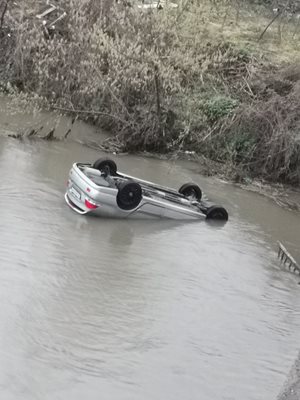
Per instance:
x=129, y=195
x=191, y=190
x=106, y=165
x=217, y=212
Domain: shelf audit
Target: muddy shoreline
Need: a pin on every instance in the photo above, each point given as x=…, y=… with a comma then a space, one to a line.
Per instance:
x=291, y=389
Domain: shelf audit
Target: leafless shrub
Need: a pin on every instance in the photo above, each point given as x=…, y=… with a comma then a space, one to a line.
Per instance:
x=161, y=84
x=263, y=138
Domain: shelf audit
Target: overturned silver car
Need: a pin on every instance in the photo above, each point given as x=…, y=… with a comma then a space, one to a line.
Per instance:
x=99, y=189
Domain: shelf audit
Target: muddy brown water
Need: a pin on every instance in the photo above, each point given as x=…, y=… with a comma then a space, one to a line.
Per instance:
x=135, y=310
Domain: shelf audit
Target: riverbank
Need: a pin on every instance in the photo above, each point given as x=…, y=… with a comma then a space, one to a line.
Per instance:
x=167, y=84
x=26, y=124
x=291, y=390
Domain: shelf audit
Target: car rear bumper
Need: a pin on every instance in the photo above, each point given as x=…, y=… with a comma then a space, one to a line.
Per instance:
x=74, y=206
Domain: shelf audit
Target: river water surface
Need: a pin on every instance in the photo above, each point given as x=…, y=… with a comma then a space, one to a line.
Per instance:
x=137, y=310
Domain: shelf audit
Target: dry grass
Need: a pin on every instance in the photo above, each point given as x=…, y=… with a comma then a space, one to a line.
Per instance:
x=196, y=78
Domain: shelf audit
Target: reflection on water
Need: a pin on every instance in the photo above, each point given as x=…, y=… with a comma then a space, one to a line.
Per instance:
x=133, y=309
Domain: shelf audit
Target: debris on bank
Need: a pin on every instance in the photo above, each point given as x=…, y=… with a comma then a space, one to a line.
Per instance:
x=48, y=15
x=287, y=260
x=41, y=134
x=291, y=388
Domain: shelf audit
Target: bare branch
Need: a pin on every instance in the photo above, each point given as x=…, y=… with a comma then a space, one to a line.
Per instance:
x=89, y=112
x=269, y=24
x=3, y=13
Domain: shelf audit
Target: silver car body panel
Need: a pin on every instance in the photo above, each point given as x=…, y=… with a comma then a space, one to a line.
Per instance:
x=88, y=188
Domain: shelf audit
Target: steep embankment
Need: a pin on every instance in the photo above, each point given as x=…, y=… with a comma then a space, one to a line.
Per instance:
x=201, y=78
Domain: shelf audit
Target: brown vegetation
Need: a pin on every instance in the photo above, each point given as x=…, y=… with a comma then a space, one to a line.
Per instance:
x=189, y=79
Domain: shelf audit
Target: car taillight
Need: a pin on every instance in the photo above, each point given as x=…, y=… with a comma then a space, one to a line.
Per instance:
x=90, y=205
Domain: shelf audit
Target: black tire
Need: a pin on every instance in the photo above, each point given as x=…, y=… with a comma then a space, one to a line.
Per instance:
x=217, y=213
x=106, y=165
x=191, y=190
x=129, y=195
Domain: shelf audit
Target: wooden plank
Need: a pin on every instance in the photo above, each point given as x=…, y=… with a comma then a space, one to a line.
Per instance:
x=48, y=11
x=63, y=15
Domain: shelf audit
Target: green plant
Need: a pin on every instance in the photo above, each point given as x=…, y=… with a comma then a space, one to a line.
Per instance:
x=218, y=107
